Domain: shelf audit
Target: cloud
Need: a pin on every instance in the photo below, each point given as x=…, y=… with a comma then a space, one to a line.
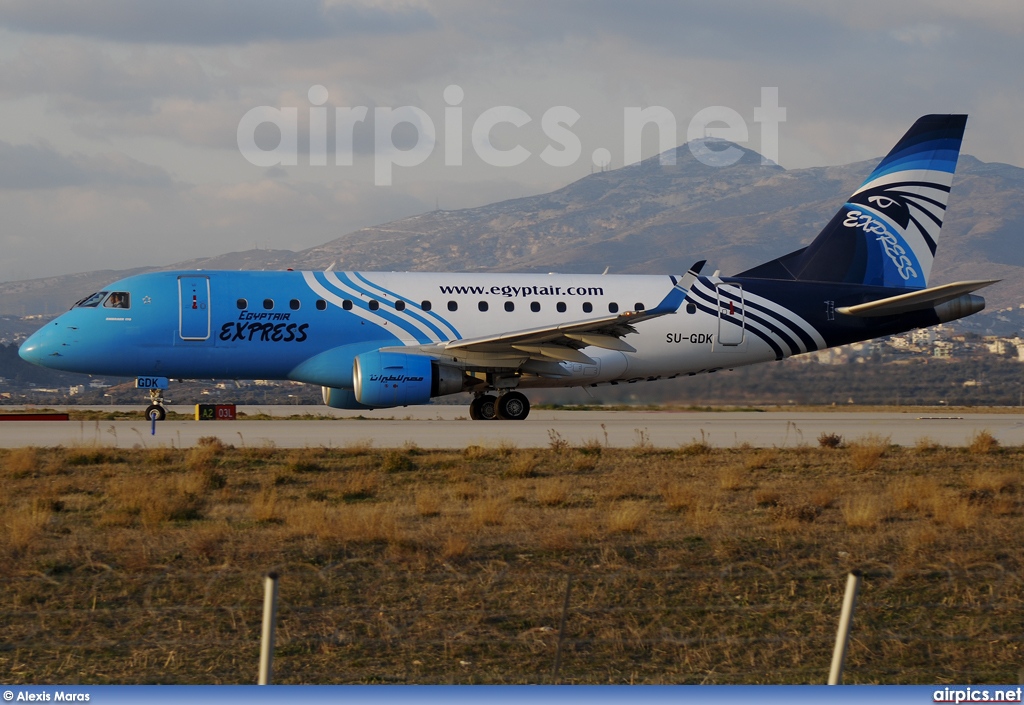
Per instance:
x=921, y=34
x=993, y=15
x=39, y=167
x=211, y=22
x=98, y=218
x=81, y=76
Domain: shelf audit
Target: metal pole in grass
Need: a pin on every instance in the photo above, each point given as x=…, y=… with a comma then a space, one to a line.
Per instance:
x=269, y=620
x=561, y=630
x=835, y=674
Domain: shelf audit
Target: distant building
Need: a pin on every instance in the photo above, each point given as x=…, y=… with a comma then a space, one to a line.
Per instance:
x=832, y=356
x=996, y=346
x=1018, y=343
x=922, y=336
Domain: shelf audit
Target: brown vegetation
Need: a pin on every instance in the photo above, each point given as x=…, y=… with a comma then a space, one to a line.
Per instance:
x=694, y=565
x=866, y=453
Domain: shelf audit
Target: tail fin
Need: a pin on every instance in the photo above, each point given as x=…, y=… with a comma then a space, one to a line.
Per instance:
x=887, y=231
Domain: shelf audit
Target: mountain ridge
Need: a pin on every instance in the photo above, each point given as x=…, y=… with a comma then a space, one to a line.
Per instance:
x=642, y=218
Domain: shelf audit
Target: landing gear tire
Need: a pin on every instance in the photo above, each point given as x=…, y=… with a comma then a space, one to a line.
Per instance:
x=483, y=408
x=152, y=409
x=513, y=406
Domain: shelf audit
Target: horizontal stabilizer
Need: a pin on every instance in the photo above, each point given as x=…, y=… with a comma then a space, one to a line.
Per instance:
x=915, y=301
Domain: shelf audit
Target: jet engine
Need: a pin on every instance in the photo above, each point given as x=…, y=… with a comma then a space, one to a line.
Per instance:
x=341, y=399
x=384, y=379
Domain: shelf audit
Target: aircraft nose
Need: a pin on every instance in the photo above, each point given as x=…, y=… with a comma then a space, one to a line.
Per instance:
x=41, y=347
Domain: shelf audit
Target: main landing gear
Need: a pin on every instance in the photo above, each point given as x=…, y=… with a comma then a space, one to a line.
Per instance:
x=510, y=406
x=156, y=399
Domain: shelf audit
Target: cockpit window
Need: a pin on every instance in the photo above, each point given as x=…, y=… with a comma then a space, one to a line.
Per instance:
x=118, y=299
x=91, y=301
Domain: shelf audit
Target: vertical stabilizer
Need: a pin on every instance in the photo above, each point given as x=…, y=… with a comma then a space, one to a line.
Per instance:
x=887, y=231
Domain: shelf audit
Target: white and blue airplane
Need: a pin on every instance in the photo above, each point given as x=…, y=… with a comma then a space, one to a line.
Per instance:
x=377, y=340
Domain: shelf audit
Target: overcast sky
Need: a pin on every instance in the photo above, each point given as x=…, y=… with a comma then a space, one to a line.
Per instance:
x=119, y=137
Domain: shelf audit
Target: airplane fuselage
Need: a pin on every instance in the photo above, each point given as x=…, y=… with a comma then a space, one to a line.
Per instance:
x=308, y=327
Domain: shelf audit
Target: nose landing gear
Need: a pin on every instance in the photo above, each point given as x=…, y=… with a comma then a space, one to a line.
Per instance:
x=155, y=407
x=156, y=386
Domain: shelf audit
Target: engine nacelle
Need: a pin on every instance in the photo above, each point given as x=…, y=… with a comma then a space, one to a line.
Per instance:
x=959, y=307
x=383, y=379
x=341, y=399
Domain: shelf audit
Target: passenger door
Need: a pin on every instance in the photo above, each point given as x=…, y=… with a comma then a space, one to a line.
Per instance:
x=194, y=307
x=731, y=316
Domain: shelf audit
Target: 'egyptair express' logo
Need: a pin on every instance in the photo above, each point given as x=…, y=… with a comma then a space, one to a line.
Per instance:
x=890, y=243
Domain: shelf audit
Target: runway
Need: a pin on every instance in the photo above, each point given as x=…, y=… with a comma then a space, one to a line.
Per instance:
x=449, y=427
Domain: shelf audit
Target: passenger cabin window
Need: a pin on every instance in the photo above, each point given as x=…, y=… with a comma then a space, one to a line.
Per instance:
x=588, y=307
x=482, y=305
x=347, y=305
x=509, y=306
x=242, y=304
x=374, y=304
x=321, y=305
x=118, y=299
x=613, y=307
x=294, y=304
x=92, y=301
x=268, y=304
x=691, y=308
x=425, y=305
x=535, y=306
x=638, y=306
x=399, y=305
x=453, y=306
x=560, y=307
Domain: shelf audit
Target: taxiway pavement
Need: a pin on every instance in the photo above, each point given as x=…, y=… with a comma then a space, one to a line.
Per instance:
x=450, y=427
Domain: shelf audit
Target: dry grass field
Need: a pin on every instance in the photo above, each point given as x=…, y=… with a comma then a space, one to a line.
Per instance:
x=697, y=565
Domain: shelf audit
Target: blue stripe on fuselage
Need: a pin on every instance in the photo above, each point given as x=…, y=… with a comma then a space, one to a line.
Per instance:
x=382, y=312
x=415, y=312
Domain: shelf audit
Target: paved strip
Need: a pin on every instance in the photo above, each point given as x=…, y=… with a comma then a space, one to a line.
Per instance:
x=449, y=427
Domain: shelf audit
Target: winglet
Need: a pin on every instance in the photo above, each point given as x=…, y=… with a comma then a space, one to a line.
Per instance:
x=675, y=298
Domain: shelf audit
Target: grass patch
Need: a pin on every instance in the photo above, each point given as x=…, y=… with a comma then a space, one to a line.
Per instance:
x=145, y=565
x=866, y=453
x=21, y=462
x=983, y=443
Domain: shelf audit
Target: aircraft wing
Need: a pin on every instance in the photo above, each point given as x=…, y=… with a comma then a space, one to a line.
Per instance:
x=560, y=342
x=557, y=343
